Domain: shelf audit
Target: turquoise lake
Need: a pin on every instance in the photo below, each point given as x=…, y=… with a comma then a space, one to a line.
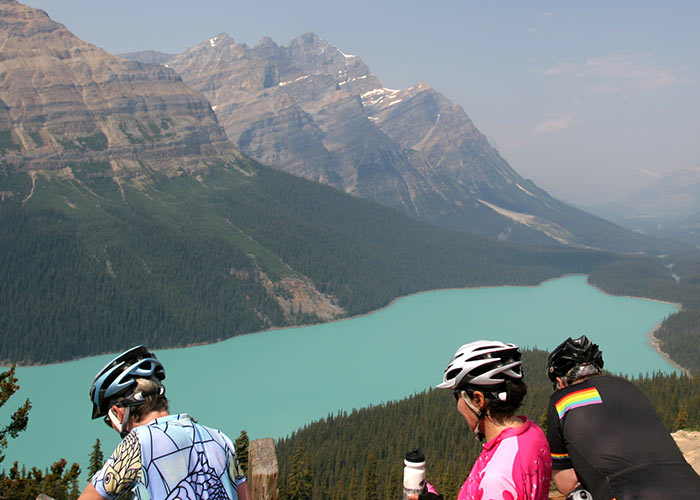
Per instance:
x=274, y=382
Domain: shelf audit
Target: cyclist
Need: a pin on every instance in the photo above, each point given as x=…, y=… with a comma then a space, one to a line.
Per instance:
x=605, y=435
x=486, y=378
x=161, y=456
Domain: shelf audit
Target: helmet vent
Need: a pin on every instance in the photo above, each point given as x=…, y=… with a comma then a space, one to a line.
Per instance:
x=452, y=374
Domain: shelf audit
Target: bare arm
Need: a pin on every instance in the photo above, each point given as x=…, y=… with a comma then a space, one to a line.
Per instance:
x=566, y=480
x=243, y=491
x=90, y=493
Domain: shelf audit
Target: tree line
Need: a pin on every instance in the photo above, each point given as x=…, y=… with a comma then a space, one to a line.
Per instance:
x=182, y=262
x=360, y=454
x=679, y=334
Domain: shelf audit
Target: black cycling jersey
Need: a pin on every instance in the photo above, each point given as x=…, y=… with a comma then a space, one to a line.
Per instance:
x=609, y=433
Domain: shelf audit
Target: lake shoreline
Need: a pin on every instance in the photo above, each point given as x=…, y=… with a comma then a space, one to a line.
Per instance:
x=653, y=342
x=291, y=327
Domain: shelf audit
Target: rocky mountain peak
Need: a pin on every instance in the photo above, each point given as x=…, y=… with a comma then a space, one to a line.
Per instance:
x=221, y=39
x=266, y=41
x=22, y=21
x=218, y=44
x=314, y=55
x=86, y=105
x=309, y=39
x=216, y=52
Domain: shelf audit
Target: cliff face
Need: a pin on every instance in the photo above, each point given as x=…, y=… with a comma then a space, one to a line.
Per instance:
x=299, y=108
x=63, y=100
x=311, y=110
x=89, y=134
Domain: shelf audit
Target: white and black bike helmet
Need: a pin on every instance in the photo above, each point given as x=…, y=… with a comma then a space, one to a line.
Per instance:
x=485, y=365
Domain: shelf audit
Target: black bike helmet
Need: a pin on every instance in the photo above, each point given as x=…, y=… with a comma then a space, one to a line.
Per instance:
x=572, y=353
x=117, y=380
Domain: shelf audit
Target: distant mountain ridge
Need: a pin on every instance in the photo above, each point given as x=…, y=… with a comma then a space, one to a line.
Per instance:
x=314, y=111
x=669, y=208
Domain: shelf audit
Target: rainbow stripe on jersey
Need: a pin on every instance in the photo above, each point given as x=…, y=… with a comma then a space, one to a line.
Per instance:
x=577, y=399
x=560, y=456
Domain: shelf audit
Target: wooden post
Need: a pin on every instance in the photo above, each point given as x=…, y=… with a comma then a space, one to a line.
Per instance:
x=263, y=472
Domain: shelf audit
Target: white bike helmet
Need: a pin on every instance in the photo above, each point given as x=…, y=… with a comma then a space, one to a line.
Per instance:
x=483, y=363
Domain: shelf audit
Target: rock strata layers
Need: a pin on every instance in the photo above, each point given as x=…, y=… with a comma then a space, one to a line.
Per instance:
x=63, y=100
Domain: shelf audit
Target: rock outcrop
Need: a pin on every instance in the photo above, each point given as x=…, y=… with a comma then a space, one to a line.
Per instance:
x=65, y=101
x=689, y=443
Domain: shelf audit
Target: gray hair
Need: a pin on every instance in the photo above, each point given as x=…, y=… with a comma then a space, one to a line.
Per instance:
x=155, y=402
x=584, y=370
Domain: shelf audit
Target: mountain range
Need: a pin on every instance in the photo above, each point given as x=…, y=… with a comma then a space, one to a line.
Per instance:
x=311, y=110
x=126, y=216
x=670, y=208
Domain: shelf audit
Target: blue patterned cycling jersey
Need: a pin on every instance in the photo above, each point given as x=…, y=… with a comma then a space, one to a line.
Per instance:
x=171, y=457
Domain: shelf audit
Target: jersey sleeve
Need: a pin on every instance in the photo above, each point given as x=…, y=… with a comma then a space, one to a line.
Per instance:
x=121, y=471
x=555, y=437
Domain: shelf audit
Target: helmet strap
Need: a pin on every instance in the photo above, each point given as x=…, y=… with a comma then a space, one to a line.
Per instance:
x=480, y=413
x=125, y=419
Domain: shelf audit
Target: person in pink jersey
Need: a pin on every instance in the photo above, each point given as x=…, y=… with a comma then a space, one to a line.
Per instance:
x=486, y=379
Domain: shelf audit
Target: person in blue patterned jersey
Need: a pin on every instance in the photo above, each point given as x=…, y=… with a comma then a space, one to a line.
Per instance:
x=161, y=456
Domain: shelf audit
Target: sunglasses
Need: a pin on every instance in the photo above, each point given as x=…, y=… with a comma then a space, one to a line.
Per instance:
x=457, y=395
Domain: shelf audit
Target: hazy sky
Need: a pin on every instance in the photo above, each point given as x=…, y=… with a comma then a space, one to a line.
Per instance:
x=592, y=100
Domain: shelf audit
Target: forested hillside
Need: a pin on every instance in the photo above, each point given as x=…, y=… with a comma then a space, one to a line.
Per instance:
x=353, y=455
x=679, y=334
x=91, y=263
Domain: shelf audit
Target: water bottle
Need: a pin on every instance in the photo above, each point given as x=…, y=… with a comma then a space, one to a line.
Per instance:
x=413, y=473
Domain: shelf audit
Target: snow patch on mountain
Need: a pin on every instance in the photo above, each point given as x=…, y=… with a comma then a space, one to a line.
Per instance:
x=521, y=188
x=346, y=56
x=282, y=84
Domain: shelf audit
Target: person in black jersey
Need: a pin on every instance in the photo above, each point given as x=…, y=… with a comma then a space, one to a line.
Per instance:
x=605, y=435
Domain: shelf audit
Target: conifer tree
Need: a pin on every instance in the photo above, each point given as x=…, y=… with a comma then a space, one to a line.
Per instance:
x=300, y=479
x=542, y=421
x=682, y=419
x=241, y=445
x=75, y=489
x=369, y=481
x=57, y=482
x=19, y=419
x=339, y=488
x=394, y=485
x=96, y=459
x=353, y=486
x=449, y=486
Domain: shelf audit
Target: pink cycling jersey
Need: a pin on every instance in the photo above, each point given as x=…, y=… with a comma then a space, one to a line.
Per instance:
x=516, y=464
